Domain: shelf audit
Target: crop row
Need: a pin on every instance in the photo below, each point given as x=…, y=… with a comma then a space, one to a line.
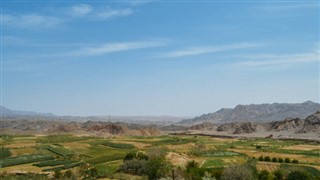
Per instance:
x=24, y=160
x=54, y=163
x=59, y=150
x=118, y=145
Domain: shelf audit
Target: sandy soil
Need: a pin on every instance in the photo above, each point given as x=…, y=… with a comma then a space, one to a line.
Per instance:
x=177, y=159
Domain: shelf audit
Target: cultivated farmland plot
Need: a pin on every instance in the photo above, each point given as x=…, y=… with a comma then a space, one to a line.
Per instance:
x=67, y=152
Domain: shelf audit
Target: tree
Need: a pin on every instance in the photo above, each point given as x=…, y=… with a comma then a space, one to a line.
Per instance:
x=287, y=160
x=130, y=156
x=264, y=175
x=295, y=161
x=267, y=158
x=280, y=160
x=298, y=175
x=156, y=168
x=134, y=166
x=274, y=159
x=142, y=156
x=193, y=171
x=246, y=171
x=261, y=158
x=278, y=175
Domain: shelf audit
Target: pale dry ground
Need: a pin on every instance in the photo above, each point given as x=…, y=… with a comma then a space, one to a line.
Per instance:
x=270, y=167
x=303, y=147
x=20, y=144
x=22, y=167
x=257, y=154
x=181, y=148
x=22, y=151
x=73, y=145
x=178, y=159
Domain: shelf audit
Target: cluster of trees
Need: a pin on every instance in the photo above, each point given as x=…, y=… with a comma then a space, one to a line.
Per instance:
x=156, y=167
x=153, y=164
x=280, y=160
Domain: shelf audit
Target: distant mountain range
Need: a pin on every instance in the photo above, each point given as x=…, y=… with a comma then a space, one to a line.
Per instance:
x=257, y=113
x=8, y=112
x=14, y=114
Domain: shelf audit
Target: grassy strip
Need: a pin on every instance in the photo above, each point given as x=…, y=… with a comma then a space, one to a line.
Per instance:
x=63, y=138
x=24, y=160
x=4, y=152
x=59, y=151
x=53, y=163
x=105, y=158
x=118, y=145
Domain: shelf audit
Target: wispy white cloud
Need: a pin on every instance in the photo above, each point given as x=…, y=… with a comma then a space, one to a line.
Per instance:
x=37, y=20
x=264, y=60
x=290, y=6
x=33, y=21
x=115, y=47
x=111, y=13
x=80, y=10
x=191, y=51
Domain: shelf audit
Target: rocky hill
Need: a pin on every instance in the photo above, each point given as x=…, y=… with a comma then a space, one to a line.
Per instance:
x=311, y=124
x=257, y=113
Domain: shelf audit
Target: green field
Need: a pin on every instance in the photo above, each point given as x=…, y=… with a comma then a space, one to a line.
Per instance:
x=67, y=152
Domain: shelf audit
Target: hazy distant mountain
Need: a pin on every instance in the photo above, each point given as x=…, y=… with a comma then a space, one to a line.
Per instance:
x=8, y=112
x=161, y=120
x=257, y=113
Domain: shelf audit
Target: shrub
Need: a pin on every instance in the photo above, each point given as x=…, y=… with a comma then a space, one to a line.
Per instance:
x=287, y=160
x=246, y=171
x=278, y=175
x=134, y=166
x=261, y=158
x=264, y=175
x=130, y=156
x=295, y=161
x=280, y=160
x=267, y=158
x=298, y=175
x=274, y=159
x=157, y=167
x=193, y=171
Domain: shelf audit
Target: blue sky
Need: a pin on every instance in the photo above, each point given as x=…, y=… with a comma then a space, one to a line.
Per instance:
x=179, y=58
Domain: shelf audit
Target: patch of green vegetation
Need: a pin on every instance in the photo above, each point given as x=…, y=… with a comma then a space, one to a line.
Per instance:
x=213, y=163
x=4, y=152
x=106, y=158
x=107, y=169
x=118, y=145
x=214, y=153
x=172, y=141
x=28, y=176
x=287, y=168
x=24, y=160
x=53, y=163
x=61, y=151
